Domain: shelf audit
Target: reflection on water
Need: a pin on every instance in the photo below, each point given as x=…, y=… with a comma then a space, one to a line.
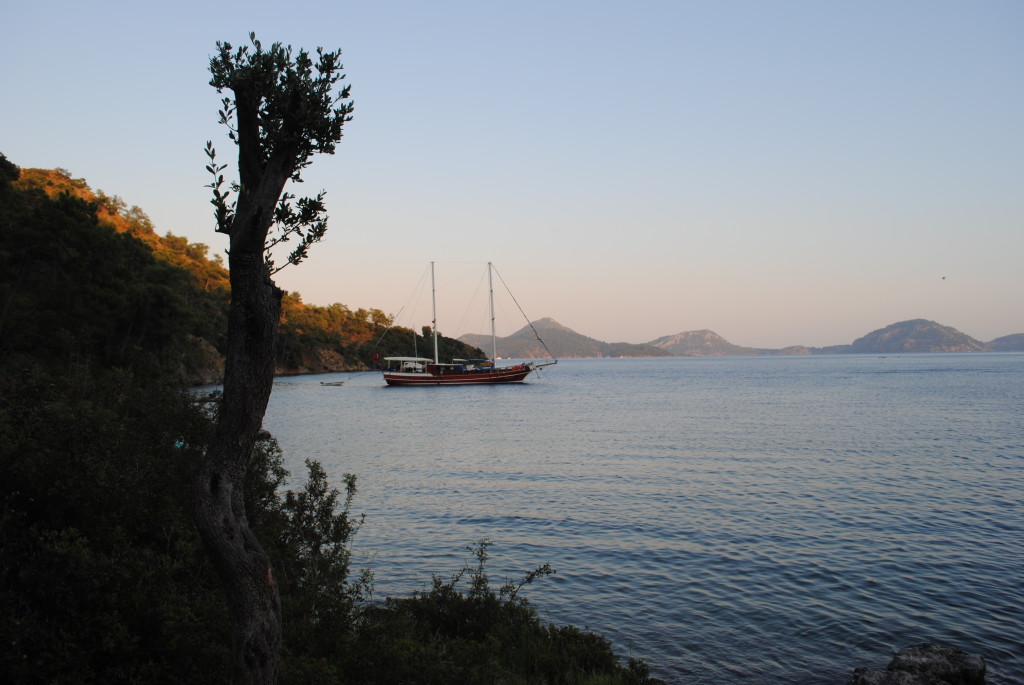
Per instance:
x=738, y=519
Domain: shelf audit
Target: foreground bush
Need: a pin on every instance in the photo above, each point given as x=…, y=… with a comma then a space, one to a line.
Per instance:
x=479, y=636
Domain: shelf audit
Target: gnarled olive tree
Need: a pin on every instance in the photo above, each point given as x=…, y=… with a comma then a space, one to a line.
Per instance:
x=285, y=109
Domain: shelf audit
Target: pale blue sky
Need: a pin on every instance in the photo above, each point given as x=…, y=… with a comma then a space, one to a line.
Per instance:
x=793, y=172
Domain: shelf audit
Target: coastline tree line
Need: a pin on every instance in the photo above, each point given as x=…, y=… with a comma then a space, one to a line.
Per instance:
x=119, y=483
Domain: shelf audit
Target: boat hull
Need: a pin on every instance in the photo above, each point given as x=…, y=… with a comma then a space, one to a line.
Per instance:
x=511, y=374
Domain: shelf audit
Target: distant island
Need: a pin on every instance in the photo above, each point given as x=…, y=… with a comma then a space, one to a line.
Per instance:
x=906, y=337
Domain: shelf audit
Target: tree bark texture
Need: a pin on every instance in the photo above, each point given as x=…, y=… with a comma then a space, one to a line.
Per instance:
x=244, y=567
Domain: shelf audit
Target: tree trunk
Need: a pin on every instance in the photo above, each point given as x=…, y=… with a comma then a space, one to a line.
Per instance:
x=219, y=505
x=283, y=114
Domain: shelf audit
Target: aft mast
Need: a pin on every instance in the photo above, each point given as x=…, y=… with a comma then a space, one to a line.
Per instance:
x=433, y=297
x=494, y=337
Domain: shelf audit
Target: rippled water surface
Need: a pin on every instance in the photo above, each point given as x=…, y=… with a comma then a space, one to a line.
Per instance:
x=736, y=520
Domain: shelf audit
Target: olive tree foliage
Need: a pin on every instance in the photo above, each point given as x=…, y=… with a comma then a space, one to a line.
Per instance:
x=278, y=92
x=286, y=107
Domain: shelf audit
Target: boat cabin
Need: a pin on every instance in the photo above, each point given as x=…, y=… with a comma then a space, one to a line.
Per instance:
x=407, y=364
x=425, y=365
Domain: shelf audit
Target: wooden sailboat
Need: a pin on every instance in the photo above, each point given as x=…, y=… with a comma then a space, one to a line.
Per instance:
x=425, y=371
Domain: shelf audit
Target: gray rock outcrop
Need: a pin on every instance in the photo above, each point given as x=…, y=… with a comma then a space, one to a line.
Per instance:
x=925, y=664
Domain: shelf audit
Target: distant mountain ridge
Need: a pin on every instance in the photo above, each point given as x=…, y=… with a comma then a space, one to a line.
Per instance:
x=561, y=341
x=907, y=337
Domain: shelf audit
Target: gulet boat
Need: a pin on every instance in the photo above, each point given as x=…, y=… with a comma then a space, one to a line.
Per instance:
x=410, y=371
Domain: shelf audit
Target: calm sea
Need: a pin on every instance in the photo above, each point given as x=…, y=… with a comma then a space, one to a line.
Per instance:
x=728, y=520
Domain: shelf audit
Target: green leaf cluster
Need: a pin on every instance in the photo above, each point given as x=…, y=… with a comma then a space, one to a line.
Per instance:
x=285, y=109
x=290, y=106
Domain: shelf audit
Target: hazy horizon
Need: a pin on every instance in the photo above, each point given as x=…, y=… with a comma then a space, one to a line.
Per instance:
x=789, y=173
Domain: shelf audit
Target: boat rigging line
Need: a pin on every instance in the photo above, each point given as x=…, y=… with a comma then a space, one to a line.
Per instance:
x=528, y=322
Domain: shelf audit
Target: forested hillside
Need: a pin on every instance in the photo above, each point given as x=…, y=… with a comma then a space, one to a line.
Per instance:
x=79, y=269
x=81, y=274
